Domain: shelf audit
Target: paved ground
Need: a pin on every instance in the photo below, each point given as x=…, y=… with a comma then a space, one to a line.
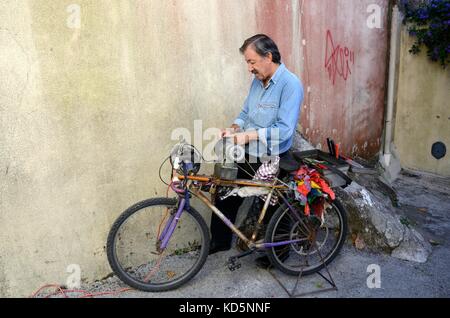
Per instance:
x=424, y=204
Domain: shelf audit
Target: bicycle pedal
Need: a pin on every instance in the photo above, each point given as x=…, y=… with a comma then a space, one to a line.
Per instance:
x=233, y=264
x=234, y=267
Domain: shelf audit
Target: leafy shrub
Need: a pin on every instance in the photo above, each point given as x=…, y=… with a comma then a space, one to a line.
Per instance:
x=429, y=22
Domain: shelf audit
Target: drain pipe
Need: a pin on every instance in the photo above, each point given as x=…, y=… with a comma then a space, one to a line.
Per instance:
x=395, y=36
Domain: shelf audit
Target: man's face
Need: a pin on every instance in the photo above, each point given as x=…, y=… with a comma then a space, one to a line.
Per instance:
x=259, y=65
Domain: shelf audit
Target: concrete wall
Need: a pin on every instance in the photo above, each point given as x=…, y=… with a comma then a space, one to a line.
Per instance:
x=422, y=110
x=345, y=69
x=87, y=114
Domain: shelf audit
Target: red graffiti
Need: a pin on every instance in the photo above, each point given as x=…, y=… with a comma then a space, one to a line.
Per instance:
x=338, y=60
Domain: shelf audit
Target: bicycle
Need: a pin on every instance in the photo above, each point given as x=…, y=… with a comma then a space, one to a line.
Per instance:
x=161, y=243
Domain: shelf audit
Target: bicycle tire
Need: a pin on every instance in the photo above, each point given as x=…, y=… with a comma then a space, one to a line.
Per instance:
x=327, y=259
x=150, y=286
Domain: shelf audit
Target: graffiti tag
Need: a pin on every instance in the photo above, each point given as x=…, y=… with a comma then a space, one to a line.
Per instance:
x=338, y=59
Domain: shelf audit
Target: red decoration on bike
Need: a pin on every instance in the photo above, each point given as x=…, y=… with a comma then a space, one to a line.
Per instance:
x=310, y=187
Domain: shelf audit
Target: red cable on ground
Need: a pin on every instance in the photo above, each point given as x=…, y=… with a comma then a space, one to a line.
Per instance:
x=46, y=286
x=86, y=294
x=106, y=293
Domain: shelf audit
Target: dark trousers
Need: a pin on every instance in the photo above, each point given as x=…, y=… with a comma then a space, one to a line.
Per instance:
x=221, y=234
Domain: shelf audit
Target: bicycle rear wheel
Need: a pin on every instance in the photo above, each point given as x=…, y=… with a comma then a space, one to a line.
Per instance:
x=134, y=241
x=318, y=244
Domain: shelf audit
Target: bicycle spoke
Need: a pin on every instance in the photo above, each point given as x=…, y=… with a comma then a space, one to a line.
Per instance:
x=314, y=240
x=138, y=257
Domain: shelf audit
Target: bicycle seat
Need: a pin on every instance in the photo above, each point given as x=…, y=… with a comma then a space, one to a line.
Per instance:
x=288, y=163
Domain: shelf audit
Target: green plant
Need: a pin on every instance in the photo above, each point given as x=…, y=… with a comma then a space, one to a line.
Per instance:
x=429, y=22
x=192, y=246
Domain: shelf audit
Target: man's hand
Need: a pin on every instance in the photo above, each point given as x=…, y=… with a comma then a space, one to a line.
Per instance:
x=243, y=138
x=229, y=131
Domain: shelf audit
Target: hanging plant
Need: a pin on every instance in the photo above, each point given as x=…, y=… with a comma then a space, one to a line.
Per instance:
x=429, y=22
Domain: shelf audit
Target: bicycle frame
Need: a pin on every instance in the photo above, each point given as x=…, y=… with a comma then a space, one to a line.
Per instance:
x=194, y=188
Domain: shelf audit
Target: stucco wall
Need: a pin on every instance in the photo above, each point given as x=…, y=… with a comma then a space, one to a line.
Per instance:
x=87, y=114
x=422, y=110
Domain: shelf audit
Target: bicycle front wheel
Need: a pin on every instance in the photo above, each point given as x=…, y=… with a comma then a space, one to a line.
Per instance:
x=134, y=245
x=316, y=244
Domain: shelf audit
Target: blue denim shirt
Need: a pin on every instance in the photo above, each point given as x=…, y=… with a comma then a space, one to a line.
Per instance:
x=272, y=111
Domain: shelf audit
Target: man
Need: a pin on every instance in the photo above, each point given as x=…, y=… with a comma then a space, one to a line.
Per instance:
x=266, y=124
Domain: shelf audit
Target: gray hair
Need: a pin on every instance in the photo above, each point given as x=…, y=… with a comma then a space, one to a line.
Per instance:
x=263, y=45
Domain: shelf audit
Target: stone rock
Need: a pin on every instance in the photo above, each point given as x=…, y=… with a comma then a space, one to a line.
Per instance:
x=394, y=232
x=413, y=248
x=373, y=217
